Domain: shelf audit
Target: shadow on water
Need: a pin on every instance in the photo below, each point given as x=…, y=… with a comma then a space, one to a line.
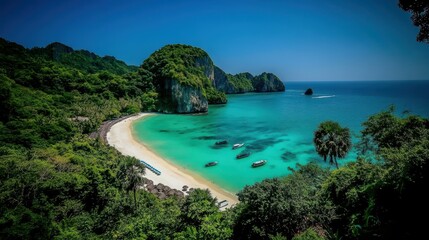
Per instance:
x=206, y=138
x=222, y=146
x=309, y=151
x=287, y=156
x=261, y=144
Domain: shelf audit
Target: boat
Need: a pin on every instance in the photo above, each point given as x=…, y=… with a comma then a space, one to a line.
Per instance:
x=237, y=145
x=259, y=163
x=223, y=203
x=243, y=155
x=211, y=164
x=222, y=142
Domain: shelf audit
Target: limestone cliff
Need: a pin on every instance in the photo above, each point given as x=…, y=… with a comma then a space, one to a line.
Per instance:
x=222, y=82
x=181, y=98
x=267, y=82
x=183, y=76
x=186, y=80
x=246, y=82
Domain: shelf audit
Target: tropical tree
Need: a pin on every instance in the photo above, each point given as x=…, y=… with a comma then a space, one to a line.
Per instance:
x=131, y=173
x=279, y=208
x=333, y=141
x=420, y=16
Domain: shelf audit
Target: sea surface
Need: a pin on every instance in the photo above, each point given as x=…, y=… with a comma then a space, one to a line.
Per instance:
x=277, y=127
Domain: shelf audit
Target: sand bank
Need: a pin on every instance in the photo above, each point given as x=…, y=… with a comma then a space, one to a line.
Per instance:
x=121, y=137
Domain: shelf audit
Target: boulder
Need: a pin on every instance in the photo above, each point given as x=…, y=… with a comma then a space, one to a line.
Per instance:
x=309, y=92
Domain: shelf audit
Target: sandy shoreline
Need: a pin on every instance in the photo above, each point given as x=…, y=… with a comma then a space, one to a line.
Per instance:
x=121, y=137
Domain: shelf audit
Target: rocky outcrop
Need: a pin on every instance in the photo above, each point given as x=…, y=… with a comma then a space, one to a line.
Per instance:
x=206, y=64
x=183, y=78
x=221, y=81
x=56, y=49
x=267, y=82
x=245, y=82
x=181, y=98
x=309, y=92
x=187, y=81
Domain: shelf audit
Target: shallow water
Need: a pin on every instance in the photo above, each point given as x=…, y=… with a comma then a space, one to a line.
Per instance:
x=277, y=127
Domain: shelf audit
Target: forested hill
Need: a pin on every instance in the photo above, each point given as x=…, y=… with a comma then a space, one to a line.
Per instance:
x=50, y=94
x=56, y=183
x=83, y=60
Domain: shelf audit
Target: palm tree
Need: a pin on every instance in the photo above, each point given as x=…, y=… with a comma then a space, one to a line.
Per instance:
x=330, y=139
x=131, y=173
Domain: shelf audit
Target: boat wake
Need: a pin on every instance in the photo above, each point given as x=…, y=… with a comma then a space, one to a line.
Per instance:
x=329, y=96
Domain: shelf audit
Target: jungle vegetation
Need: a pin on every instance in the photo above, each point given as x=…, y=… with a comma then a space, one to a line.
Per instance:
x=57, y=183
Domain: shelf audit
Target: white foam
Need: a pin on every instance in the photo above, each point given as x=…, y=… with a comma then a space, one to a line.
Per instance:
x=328, y=96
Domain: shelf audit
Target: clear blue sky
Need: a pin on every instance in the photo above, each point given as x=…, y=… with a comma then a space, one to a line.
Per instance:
x=297, y=40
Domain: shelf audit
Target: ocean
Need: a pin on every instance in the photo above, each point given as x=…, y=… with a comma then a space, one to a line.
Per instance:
x=277, y=127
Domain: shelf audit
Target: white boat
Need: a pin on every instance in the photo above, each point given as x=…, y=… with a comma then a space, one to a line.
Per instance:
x=237, y=145
x=259, y=163
x=223, y=203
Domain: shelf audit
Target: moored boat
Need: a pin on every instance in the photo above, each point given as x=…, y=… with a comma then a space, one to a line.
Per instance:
x=237, y=145
x=243, y=155
x=259, y=163
x=222, y=142
x=210, y=164
x=223, y=203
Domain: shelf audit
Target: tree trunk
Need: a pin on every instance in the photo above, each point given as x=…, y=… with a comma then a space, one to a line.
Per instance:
x=336, y=163
x=135, y=199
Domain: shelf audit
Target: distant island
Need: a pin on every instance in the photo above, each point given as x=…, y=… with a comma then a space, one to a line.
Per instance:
x=308, y=92
x=186, y=80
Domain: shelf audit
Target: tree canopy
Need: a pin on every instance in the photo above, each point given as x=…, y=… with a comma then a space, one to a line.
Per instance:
x=57, y=183
x=419, y=10
x=333, y=141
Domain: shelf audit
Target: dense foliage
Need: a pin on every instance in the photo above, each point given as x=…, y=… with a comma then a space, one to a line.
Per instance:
x=83, y=60
x=242, y=82
x=267, y=82
x=284, y=206
x=46, y=97
x=186, y=64
x=56, y=183
x=332, y=140
x=420, y=16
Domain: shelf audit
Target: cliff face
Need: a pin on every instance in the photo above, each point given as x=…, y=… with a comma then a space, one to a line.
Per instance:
x=184, y=79
x=245, y=82
x=206, y=64
x=187, y=81
x=180, y=98
x=221, y=81
x=267, y=82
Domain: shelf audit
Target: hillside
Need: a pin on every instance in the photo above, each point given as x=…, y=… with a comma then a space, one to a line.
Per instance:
x=57, y=183
x=187, y=80
x=182, y=75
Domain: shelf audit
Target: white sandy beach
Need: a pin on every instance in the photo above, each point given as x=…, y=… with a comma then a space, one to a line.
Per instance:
x=121, y=137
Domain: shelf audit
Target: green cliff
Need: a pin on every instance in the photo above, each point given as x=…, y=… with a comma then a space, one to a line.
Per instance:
x=187, y=80
x=246, y=82
x=183, y=77
x=267, y=82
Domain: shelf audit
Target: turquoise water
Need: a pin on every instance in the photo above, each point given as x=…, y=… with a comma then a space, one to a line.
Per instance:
x=277, y=127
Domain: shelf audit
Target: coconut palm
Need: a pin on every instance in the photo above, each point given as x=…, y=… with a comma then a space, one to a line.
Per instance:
x=131, y=172
x=330, y=139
